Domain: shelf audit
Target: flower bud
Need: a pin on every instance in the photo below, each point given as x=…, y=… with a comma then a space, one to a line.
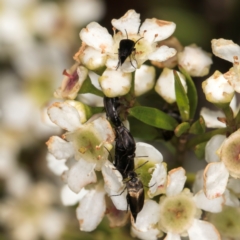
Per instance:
x=217, y=89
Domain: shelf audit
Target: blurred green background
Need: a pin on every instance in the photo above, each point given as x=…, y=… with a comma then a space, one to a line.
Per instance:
x=37, y=41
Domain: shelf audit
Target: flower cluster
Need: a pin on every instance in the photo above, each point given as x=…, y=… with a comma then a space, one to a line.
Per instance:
x=87, y=154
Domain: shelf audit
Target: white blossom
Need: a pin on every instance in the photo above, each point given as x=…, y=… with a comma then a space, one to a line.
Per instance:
x=217, y=172
x=195, y=61
x=144, y=79
x=230, y=51
x=151, y=32
x=217, y=89
x=177, y=213
x=166, y=81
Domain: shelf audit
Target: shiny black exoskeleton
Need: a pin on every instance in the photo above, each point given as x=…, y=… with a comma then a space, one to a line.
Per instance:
x=124, y=151
x=126, y=47
x=111, y=105
x=124, y=158
x=125, y=145
x=135, y=195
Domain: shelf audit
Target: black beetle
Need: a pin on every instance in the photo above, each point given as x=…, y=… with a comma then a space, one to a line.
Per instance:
x=135, y=195
x=126, y=47
x=124, y=151
x=111, y=105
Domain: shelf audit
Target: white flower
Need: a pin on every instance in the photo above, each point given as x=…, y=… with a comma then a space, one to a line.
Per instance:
x=144, y=79
x=229, y=154
x=230, y=51
x=152, y=31
x=226, y=49
x=166, y=81
x=177, y=214
x=115, y=83
x=217, y=89
x=228, y=198
x=222, y=155
x=91, y=208
x=86, y=143
x=152, y=160
x=66, y=115
x=195, y=61
x=72, y=82
x=212, y=118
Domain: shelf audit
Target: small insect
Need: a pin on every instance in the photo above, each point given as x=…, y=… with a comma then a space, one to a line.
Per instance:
x=124, y=151
x=135, y=195
x=135, y=192
x=111, y=105
x=126, y=47
x=125, y=145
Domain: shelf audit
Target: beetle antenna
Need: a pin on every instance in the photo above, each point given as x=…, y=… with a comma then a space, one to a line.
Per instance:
x=138, y=40
x=140, y=165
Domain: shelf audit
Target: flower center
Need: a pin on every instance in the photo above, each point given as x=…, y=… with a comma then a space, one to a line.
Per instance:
x=177, y=213
x=230, y=154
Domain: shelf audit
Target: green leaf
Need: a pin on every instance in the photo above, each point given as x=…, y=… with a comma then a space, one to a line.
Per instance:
x=142, y=131
x=191, y=93
x=88, y=87
x=153, y=117
x=181, y=98
x=205, y=137
x=199, y=150
x=181, y=128
x=198, y=127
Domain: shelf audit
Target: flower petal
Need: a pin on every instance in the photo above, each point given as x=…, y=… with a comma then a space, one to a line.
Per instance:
x=158, y=182
x=146, y=225
x=91, y=209
x=96, y=36
x=114, y=186
x=144, y=79
x=81, y=174
x=115, y=83
x=60, y=148
x=210, y=205
x=195, y=61
x=215, y=179
x=210, y=118
x=93, y=59
x=55, y=165
x=155, y=30
x=148, y=151
x=117, y=218
x=162, y=54
x=166, y=81
x=212, y=146
x=129, y=23
x=201, y=230
x=64, y=115
x=229, y=154
x=69, y=198
x=176, y=181
x=225, y=49
x=72, y=82
x=217, y=89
